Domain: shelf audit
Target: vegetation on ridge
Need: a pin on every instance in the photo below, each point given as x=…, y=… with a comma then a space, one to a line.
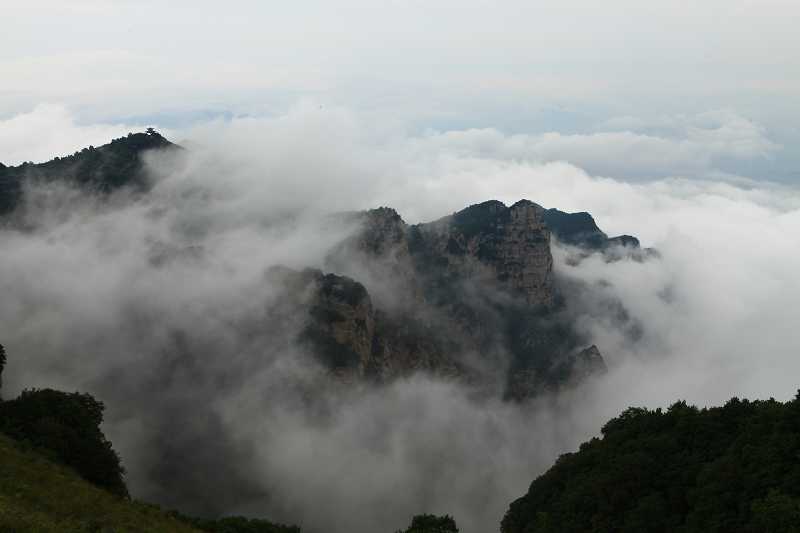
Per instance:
x=66, y=428
x=428, y=523
x=103, y=169
x=39, y=496
x=730, y=469
x=49, y=440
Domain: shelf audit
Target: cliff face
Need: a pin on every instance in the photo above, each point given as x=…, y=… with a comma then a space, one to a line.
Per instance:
x=350, y=337
x=342, y=325
x=511, y=244
x=470, y=296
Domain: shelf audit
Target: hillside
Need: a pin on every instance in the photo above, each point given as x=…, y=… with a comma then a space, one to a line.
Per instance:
x=58, y=472
x=730, y=469
x=39, y=496
x=102, y=169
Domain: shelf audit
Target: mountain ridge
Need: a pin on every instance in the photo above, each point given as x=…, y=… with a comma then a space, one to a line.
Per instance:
x=103, y=169
x=478, y=282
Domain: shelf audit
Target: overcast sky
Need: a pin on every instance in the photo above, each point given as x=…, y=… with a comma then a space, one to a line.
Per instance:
x=520, y=67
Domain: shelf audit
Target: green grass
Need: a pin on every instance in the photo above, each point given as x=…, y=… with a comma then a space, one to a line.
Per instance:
x=39, y=496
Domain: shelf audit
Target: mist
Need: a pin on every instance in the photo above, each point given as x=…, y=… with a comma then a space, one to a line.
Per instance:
x=159, y=306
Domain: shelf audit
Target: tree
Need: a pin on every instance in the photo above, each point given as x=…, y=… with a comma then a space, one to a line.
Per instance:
x=714, y=470
x=66, y=428
x=237, y=524
x=776, y=513
x=2, y=363
x=428, y=523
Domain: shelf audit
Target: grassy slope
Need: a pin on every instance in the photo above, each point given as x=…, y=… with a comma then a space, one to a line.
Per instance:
x=39, y=496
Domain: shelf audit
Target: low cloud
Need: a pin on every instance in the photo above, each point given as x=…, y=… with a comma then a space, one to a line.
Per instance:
x=158, y=306
x=49, y=130
x=626, y=148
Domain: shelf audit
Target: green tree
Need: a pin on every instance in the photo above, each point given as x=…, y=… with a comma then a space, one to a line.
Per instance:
x=2, y=364
x=729, y=469
x=65, y=427
x=428, y=523
x=237, y=524
x=777, y=513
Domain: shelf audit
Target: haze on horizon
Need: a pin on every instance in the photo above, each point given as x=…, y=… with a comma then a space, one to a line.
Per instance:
x=660, y=69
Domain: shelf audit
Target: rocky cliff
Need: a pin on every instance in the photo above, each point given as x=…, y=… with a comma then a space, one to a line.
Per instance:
x=509, y=245
x=471, y=296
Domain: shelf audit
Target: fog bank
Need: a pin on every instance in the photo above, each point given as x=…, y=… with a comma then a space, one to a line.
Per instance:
x=158, y=305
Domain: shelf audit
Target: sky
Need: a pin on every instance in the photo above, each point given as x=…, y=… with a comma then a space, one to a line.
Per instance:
x=520, y=67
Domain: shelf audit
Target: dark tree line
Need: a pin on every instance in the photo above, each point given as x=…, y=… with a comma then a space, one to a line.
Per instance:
x=2, y=365
x=66, y=428
x=428, y=523
x=730, y=469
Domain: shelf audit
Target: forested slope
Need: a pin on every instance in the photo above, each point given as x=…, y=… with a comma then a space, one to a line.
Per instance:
x=726, y=469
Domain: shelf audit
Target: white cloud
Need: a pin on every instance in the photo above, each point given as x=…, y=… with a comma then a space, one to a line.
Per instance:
x=460, y=59
x=48, y=131
x=690, y=147
x=672, y=146
x=717, y=312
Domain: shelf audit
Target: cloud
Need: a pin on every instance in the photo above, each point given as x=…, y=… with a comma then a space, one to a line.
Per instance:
x=629, y=149
x=715, y=309
x=49, y=130
x=159, y=306
x=494, y=65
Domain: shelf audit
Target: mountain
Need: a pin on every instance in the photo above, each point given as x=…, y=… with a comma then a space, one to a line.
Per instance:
x=730, y=469
x=471, y=296
x=580, y=229
x=104, y=169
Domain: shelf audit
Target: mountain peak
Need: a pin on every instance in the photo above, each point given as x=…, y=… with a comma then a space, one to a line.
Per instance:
x=526, y=203
x=103, y=169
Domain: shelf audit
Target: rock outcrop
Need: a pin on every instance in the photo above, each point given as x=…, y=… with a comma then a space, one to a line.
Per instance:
x=342, y=322
x=353, y=339
x=511, y=244
x=579, y=230
x=471, y=296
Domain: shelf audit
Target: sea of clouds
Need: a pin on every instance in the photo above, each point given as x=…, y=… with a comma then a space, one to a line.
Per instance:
x=158, y=304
